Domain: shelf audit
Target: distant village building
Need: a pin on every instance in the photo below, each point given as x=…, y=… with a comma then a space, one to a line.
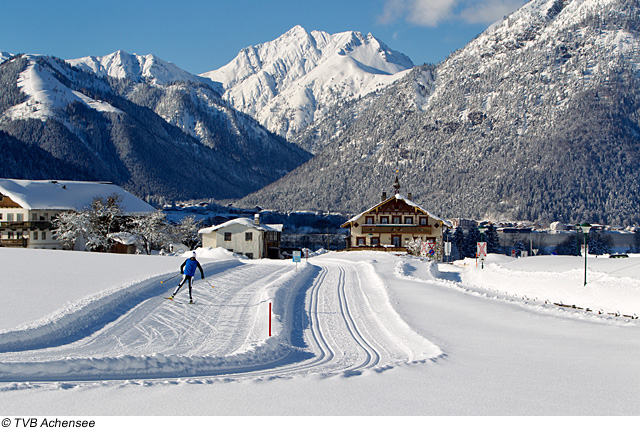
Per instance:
x=27, y=208
x=392, y=223
x=558, y=226
x=465, y=224
x=245, y=236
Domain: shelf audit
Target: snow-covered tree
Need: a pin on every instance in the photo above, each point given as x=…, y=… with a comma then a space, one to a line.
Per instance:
x=93, y=224
x=186, y=232
x=105, y=217
x=150, y=230
x=70, y=226
x=414, y=246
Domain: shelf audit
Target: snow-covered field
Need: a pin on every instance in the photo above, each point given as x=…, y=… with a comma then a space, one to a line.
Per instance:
x=359, y=333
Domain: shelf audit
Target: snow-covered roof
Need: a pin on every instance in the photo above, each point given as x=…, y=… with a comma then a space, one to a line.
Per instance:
x=124, y=238
x=68, y=195
x=404, y=199
x=246, y=222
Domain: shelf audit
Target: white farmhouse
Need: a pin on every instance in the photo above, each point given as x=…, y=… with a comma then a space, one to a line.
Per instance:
x=244, y=236
x=27, y=208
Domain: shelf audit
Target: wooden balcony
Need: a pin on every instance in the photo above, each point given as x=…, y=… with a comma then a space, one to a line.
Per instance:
x=13, y=243
x=26, y=225
x=397, y=228
x=376, y=248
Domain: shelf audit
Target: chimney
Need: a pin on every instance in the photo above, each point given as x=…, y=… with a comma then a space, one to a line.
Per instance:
x=409, y=196
x=384, y=196
x=256, y=219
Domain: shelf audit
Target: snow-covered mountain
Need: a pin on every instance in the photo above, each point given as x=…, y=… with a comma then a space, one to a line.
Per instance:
x=290, y=82
x=138, y=68
x=4, y=56
x=537, y=118
x=175, y=141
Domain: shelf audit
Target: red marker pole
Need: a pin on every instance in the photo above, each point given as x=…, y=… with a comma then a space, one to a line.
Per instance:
x=269, y=319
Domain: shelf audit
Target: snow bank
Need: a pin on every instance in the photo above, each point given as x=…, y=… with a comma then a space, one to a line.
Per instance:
x=613, y=285
x=560, y=280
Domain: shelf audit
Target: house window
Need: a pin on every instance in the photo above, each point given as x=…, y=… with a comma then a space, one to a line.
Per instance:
x=361, y=241
x=34, y=216
x=19, y=217
x=384, y=220
x=44, y=235
x=35, y=235
x=248, y=236
x=408, y=220
x=272, y=236
x=0, y=216
x=424, y=220
x=9, y=217
x=375, y=241
x=397, y=220
x=369, y=220
x=227, y=237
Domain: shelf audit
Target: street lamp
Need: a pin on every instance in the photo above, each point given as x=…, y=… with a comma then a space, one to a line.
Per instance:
x=584, y=228
x=482, y=229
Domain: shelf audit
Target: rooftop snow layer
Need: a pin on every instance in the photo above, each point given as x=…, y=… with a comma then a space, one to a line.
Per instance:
x=242, y=221
x=66, y=195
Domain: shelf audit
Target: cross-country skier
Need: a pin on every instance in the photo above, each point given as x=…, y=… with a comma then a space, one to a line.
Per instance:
x=188, y=270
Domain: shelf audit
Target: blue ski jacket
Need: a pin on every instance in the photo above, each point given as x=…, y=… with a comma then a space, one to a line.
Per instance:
x=189, y=267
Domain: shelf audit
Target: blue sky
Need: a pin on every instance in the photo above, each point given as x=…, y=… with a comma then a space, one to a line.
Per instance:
x=200, y=36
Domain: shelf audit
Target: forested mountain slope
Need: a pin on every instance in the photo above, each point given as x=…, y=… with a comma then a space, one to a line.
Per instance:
x=537, y=118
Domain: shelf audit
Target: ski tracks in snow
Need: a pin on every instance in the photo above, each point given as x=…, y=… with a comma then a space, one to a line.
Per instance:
x=330, y=317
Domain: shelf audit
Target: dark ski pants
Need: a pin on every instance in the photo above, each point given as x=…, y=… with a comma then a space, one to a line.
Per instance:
x=184, y=279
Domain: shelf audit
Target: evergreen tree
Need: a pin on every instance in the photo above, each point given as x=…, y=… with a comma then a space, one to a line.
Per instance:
x=471, y=242
x=491, y=237
x=458, y=242
x=567, y=246
x=599, y=244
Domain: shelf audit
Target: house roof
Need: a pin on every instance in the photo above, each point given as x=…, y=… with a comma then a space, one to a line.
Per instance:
x=68, y=195
x=397, y=197
x=246, y=222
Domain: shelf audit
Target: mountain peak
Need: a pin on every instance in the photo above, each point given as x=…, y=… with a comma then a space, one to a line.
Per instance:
x=289, y=82
x=138, y=68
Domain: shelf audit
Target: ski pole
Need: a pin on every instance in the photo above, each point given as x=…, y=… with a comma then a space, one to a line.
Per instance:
x=208, y=283
x=168, y=279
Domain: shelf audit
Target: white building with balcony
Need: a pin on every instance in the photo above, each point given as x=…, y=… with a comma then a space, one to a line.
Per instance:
x=27, y=208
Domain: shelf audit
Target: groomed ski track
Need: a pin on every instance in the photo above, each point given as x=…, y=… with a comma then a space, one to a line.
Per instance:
x=328, y=317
